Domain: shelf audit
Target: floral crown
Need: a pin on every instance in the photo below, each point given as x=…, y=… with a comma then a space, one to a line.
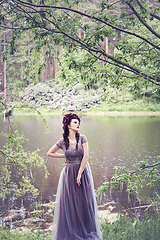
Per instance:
x=67, y=117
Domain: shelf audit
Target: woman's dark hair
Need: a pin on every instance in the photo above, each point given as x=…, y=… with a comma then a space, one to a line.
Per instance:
x=66, y=130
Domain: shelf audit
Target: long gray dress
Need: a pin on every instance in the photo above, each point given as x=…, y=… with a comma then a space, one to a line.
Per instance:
x=75, y=215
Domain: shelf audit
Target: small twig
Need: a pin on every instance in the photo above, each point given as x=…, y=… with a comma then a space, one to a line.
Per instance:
x=144, y=206
x=6, y=154
x=149, y=166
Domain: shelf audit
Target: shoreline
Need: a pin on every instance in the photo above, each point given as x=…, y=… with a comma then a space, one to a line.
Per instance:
x=124, y=113
x=45, y=112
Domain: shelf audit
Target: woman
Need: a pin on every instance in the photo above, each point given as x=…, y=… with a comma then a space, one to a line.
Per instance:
x=75, y=216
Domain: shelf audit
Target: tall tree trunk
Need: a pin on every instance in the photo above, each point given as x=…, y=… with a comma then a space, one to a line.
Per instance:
x=5, y=72
x=106, y=45
x=106, y=42
x=1, y=67
x=56, y=63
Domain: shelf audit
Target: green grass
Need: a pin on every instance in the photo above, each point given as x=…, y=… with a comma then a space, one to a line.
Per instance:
x=133, y=106
x=125, y=229
x=32, y=111
x=8, y=235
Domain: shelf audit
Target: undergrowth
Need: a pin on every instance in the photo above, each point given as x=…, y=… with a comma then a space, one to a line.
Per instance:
x=124, y=229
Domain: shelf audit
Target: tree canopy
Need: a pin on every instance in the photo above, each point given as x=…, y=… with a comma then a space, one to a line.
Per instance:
x=131, y=28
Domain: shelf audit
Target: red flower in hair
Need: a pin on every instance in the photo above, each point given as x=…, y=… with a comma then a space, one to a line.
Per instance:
x=68, y=117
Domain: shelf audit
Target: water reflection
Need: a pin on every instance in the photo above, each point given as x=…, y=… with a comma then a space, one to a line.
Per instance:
x=112, y=141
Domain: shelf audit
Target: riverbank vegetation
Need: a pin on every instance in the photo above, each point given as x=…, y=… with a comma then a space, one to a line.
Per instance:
x=54, y=97
x=134, y=108
x=123, y=229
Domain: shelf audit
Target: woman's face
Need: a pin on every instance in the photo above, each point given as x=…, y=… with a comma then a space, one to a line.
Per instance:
x=74, y=125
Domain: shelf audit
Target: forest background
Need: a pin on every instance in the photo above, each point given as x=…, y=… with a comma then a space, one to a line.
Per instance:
x=76, y=56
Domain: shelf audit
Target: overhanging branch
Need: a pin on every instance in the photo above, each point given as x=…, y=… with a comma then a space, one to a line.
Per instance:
x=89, y=16
x=151, y=14
x=142, y=21
x=148, y=166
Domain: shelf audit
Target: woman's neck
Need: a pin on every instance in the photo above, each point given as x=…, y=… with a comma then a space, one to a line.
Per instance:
x=72, y=135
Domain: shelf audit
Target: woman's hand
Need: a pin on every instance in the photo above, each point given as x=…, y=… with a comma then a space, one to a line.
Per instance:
x=78, y=180
x=83, y=162
x=65, y=160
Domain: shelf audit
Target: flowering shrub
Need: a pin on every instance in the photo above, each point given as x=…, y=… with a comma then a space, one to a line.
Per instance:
x=55, y=96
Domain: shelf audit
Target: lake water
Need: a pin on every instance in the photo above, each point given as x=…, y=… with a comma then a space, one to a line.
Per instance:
x=113, y=141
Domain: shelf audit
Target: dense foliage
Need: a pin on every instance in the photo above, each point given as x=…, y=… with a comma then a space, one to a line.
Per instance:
x=72, y=70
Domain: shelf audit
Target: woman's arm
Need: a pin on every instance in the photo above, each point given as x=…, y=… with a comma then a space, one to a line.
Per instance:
x=83, y=162
x=53, y=152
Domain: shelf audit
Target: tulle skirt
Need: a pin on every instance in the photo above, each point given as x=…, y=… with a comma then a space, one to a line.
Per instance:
x=75, y=215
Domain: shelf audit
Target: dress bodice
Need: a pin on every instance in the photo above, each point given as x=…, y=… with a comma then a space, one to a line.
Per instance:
x=71, y=153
